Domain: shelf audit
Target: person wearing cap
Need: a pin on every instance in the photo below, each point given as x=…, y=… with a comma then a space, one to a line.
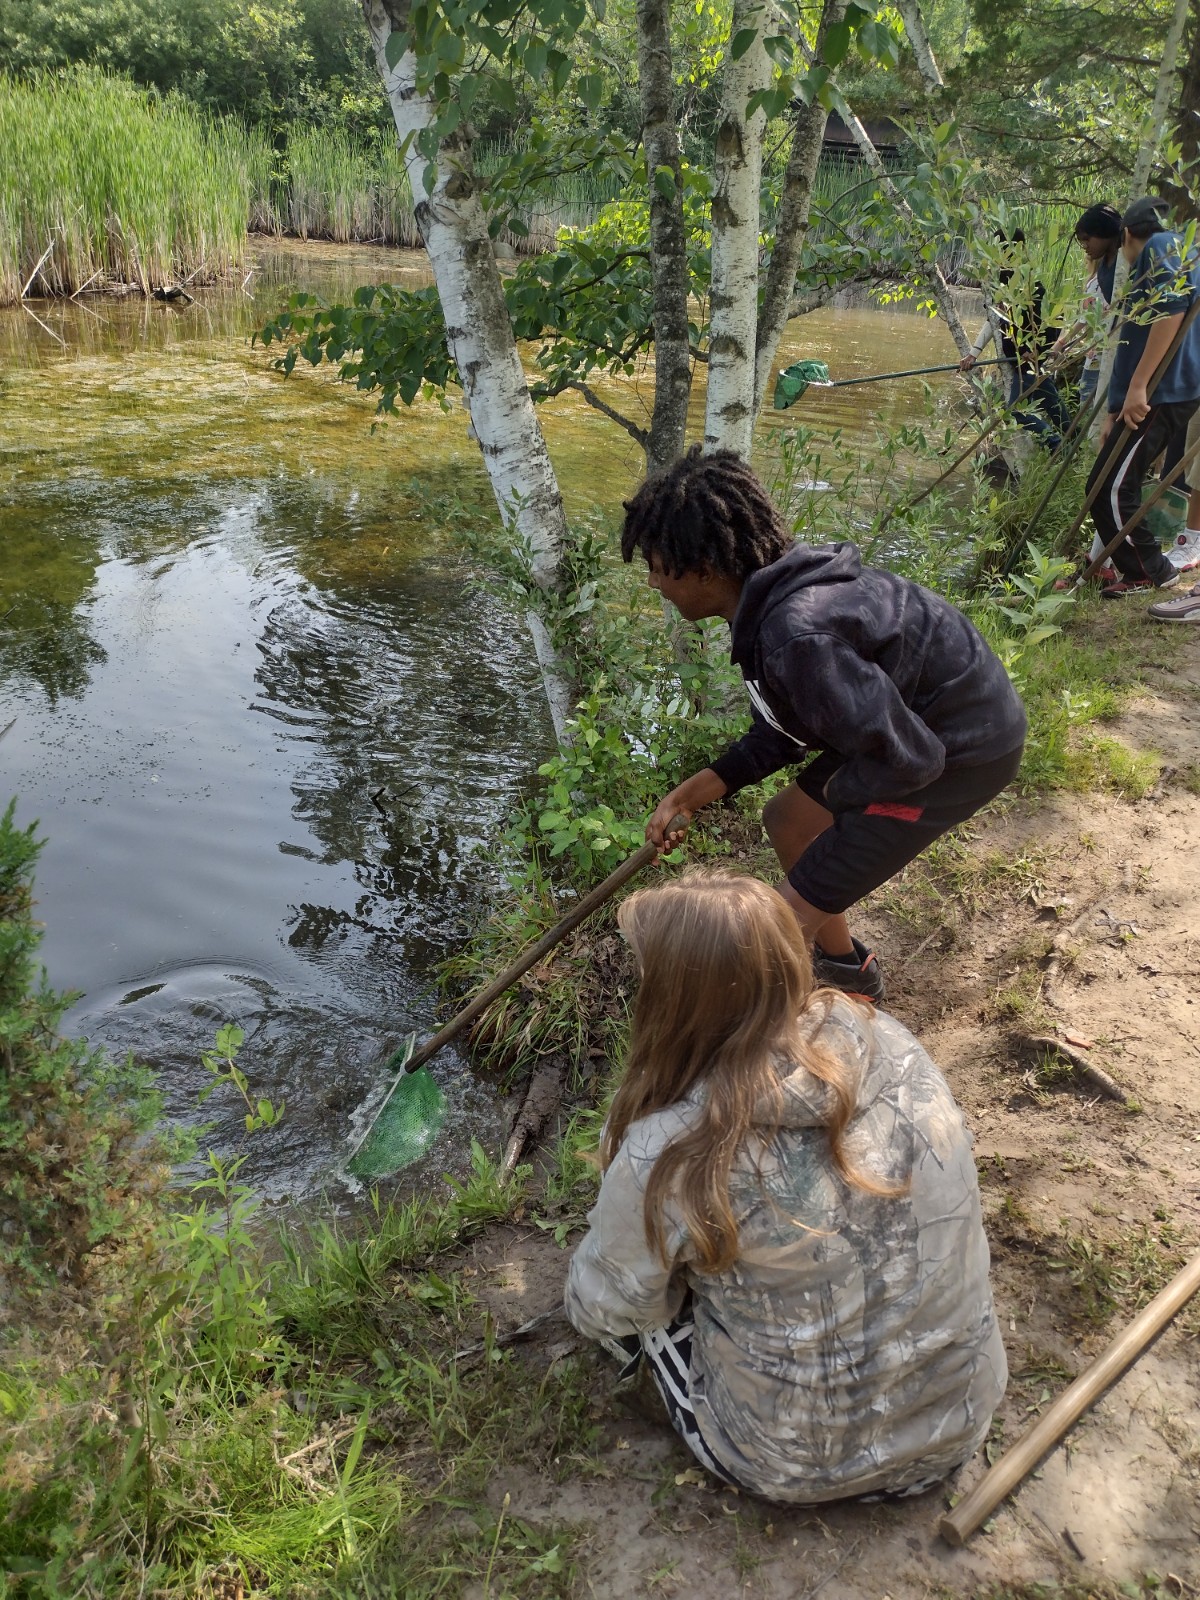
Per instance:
x=1098, y=233
x=1164, y=281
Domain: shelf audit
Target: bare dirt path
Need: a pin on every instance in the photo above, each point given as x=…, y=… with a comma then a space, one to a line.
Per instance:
x=1080, y=917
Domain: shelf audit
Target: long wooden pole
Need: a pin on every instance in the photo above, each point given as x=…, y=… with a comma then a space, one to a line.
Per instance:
x=1013, y=1467
x=528, y=958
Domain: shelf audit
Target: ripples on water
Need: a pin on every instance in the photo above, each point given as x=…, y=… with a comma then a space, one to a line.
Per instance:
x=262, y=797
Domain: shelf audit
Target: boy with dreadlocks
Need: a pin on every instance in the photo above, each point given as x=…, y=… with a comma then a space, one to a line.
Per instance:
x=909, y=719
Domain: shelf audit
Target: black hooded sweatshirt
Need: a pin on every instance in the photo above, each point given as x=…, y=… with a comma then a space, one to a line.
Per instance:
x=875, y=669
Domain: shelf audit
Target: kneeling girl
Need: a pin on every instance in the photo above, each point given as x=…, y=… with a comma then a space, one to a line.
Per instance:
x=789, y=1226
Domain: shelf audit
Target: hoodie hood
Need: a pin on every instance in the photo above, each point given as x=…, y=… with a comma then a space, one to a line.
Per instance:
x=803, y=567
x=843, y=1030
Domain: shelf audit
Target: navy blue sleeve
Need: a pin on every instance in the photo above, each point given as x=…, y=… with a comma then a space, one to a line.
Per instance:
x=854, y=709
x=759, y=752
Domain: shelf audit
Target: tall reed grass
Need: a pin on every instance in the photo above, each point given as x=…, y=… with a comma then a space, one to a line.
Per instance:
x=337, y=187
x=103, y=183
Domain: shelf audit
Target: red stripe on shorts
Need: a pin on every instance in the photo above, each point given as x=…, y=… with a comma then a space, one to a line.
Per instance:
x=888, y=808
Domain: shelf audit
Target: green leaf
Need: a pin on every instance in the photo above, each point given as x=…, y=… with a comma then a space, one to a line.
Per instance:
x=591, y=89
x=229, y=1040
x=742, y=40
x=837, y=43
x=560, y=70
x=397, y=44
x=664, y=182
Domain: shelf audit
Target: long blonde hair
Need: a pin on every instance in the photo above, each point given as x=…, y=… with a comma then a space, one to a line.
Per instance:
x=726, y=979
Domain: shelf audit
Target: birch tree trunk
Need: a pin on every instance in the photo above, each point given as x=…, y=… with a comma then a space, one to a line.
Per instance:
x=480, y=337
x=668, y=237
x=791, y=224
x=918, y=39
x=737, y=169
x=1154, y=127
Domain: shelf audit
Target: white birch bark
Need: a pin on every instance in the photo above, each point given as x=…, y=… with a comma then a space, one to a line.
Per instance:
x=918, y=38
x=1154, y=127
x=1017, y=452
x=737, y=169
x=480, y=338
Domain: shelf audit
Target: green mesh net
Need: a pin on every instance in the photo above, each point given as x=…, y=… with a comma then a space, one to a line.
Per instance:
x=1167, y=518
x=406, y=1126
x=792, y=381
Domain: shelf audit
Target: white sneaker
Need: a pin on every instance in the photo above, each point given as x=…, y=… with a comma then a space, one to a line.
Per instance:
x=1184, y=554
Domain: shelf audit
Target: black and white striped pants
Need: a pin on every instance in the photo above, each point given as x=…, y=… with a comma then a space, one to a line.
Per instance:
x=668, y=1354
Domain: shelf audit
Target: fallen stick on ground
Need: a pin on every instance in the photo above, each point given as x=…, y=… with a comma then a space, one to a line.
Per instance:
x=527, y=1330
x=542, y=1100
x=1096, y=1076
x=1058, y=945
x=1012, y=1468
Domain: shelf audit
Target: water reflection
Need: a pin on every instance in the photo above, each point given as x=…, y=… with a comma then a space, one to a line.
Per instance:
x=262, y=805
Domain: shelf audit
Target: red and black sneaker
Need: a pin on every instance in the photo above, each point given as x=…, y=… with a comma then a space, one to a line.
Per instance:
x=1128, y=586
x=859, y=974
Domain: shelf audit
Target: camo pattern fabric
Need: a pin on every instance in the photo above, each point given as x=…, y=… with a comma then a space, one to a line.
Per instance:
x=853, y=1347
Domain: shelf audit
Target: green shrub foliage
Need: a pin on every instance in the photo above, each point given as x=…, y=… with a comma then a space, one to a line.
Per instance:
x=71, y=1122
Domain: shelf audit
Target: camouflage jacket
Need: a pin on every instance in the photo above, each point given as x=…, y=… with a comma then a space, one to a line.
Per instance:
x=853, y=1347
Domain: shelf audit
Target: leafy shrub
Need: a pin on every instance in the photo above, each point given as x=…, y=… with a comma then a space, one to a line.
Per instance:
x=72, y=1123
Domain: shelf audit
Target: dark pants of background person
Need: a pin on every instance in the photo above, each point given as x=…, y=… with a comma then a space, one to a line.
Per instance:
x=1171, y=459
x=1138, y=555
x=1043, y=411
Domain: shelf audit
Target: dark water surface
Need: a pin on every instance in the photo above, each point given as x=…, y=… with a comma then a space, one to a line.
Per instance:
x=266, y=714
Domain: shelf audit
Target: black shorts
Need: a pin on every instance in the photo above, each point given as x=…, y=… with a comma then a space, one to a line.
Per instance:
x=867, y=845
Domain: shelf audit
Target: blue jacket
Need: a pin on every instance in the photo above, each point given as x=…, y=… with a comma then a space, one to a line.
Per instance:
x=1161, y=284
x=869, y=666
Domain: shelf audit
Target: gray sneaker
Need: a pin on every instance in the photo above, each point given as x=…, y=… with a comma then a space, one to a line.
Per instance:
x=858, y=974
x=1185, y=609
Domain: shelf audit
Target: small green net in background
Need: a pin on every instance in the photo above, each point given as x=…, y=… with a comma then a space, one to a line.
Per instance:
x=792, y=381
x=406, y=1128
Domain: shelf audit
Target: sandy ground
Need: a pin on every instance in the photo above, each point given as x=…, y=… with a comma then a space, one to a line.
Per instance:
x=1079, y=918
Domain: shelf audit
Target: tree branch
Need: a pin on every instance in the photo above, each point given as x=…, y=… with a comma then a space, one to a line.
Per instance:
x=626, y=255
x=640, y=435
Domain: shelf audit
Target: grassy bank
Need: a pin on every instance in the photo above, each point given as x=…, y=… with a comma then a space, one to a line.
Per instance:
x=104, y=184
x=190, y=1405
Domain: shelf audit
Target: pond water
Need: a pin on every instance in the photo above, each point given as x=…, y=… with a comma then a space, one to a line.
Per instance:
x=267, y=715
